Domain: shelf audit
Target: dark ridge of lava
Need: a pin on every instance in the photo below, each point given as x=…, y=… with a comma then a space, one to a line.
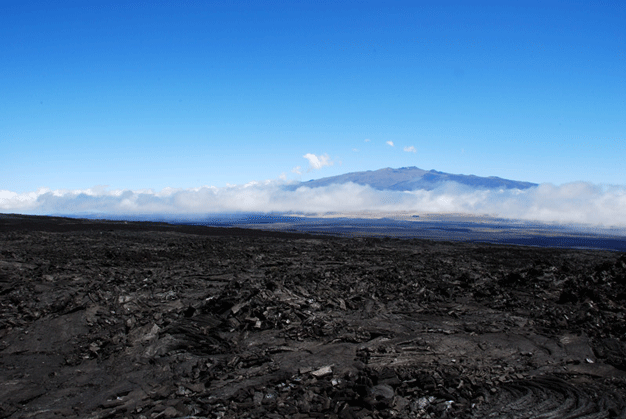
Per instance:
x=18, y=222
x=103, y=319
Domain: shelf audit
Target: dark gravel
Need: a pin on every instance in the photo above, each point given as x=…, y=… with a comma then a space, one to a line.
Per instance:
x=102, y=319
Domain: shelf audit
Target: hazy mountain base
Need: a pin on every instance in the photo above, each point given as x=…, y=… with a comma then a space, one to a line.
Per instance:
x=405, y=225
x=456, y=227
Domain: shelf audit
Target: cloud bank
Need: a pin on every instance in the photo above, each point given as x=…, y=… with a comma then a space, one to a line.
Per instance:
x=569, y=203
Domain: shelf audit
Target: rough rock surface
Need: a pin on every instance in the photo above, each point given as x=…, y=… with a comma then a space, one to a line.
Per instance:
x=145, y=320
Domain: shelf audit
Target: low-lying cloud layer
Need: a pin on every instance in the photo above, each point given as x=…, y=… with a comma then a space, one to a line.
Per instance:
x=570, y=203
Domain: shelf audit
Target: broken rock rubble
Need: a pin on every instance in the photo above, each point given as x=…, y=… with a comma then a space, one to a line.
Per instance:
x=137, y=320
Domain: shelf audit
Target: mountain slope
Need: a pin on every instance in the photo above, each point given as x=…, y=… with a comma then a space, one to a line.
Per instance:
x=412, y=178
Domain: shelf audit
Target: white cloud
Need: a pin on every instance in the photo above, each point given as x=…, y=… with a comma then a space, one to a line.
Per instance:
x=570, y=203
x=297, y=170
x=367, y=140
x=317, y=162
x=390, y=143
x=410, y=149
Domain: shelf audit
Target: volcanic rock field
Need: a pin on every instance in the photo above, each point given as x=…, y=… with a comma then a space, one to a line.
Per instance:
x=102, y=319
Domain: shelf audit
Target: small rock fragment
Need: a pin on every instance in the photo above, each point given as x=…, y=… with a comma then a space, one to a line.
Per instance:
x=322, y=372
x=383, y=390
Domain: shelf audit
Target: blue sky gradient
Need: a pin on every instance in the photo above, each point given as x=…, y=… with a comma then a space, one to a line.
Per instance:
x=180, y=94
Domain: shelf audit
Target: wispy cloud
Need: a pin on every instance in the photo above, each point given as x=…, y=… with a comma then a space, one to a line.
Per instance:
x=570, y=203
x=297, y=170
x=390, y=143
x=367, y=140
x=317, y=162
x=410, y=149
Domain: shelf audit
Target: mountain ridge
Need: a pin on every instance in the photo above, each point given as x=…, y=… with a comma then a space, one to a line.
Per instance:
x=413, y=178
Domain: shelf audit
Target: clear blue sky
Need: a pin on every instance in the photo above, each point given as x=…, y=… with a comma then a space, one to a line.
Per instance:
x=155, y=94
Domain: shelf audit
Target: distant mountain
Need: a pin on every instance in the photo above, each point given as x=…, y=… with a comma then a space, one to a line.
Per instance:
x=412, y=178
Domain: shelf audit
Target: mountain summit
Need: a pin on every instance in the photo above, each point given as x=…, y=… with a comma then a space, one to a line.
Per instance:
x=412, y=178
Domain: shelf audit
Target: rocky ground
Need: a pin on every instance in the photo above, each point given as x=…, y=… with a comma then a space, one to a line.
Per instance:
x=146, y=320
